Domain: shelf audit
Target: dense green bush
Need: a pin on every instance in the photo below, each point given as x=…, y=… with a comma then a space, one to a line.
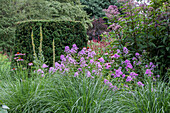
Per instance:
x=63, y=32
x=12, y=11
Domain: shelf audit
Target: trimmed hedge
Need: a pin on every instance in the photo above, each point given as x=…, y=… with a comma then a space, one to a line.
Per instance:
x=64, y=33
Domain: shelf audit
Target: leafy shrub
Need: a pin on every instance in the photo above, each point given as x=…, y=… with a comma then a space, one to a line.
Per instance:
x=63, y=32
x=94, y=7
x=98, y=28
x=140, y=29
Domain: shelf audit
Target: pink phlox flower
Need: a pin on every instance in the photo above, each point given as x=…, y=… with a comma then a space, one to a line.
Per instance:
x=57, y=65
x=126, y=85
x=118, y=72
x=51, y=70
x=129, y=65
x=79, y=69
x=42, y=75
x=138, y=63
x=91, y=61
x=76, y=74
x=71, y=60
x=82, y=52
x=40, y=71
x=129, y=78
x=44, y=66
x=93, y=71
x=137, y=54
x=133, y=74
x=67, y=49
x=148, y=72
x=101, y=59
x=62, y=57
x=75, y=47
x=123, y=76
x=140, y=83
x=126, y=61
x=118, y=51
x=116, y=56
x=134, y=58
x=73, y=51
x=88, y=74
x=125, y=50
x=106, y=81
x=107, y=65
x=157, y=76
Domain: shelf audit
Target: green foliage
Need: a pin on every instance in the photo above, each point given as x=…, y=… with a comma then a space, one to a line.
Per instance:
x=152, y=98
x=144, y=28
x=68, y=94
x=94, y=7
x=64, y=33
x=21, y=95
x=68, y=11
x=12, y=11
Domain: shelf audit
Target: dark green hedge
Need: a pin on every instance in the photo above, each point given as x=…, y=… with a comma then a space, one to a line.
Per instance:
x=64, y=33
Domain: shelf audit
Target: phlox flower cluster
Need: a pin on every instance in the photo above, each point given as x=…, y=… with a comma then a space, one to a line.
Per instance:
x=86, y=63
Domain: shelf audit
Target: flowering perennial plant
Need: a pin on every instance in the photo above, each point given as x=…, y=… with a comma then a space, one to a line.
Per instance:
x=111, y=67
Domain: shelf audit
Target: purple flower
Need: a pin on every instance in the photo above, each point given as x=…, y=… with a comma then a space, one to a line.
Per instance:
x=88, y=74
x=126, y=61
x=51, y=70
x=140, y=83
x=118, y=73
x=126, y=85
x=129, y=65
x=57, y=65
x=91, y=61
x=67, y=49
x=42, y=75
x=138, y=63
x=82, y=52
x=118, y=51
x=101, y=59
x=44, y=66
x=158, y=76
x=129, y=78
x=91, y=54
x=137, y=54
x=116, y=56
x=133, y=74
x=125, y=50
x=93, y=71
x=62, y=57
x=148, y=72
x=108, y=66
x=39, y=70
x=79, y=69
x=75, y=47
x=76, y=74
x=73, y=51
x=123, y=76
x=106, y=81
x=134, y=58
